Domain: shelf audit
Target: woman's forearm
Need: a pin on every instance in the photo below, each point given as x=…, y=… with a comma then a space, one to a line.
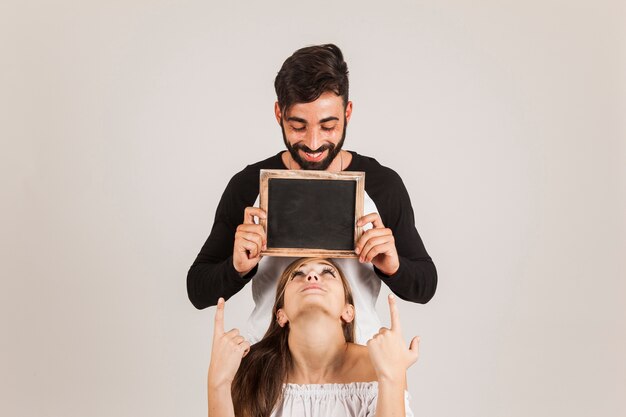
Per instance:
x=220, y=401
x=390, y=402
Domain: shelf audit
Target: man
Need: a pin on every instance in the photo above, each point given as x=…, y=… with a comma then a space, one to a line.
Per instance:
x=313, y=112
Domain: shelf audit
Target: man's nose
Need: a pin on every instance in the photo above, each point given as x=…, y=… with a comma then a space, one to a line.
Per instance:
x=312, y=277
x=313, y=139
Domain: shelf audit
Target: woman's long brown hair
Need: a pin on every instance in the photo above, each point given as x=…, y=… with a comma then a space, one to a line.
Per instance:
x=258, y=385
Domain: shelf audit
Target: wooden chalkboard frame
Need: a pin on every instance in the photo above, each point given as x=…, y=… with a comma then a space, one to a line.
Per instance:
x=358, y=177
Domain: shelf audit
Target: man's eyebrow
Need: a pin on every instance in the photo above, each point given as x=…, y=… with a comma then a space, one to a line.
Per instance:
x=300, y=120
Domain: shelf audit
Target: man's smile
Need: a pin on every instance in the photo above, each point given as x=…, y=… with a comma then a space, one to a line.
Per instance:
x=314, y=156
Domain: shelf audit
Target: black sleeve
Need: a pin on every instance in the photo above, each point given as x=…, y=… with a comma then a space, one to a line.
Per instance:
x=416, y=279
x=212, y=275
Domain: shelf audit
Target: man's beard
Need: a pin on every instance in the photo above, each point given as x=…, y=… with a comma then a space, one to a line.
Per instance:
x=322, y=165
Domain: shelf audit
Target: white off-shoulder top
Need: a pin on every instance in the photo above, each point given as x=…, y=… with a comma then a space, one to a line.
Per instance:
x=336, y=400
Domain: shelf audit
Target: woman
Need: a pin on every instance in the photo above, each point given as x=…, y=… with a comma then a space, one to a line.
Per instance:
x=307, y=363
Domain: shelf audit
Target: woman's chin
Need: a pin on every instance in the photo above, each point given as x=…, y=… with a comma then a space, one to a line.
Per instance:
x=315, y=305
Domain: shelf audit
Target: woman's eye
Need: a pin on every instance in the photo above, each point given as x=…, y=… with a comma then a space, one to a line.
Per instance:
x=297, y=274
x=328, y=271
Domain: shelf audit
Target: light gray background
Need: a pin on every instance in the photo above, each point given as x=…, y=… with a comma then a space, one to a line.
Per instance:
x=122, y=121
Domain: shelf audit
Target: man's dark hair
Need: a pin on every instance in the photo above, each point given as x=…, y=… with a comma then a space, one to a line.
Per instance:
x=309, y=73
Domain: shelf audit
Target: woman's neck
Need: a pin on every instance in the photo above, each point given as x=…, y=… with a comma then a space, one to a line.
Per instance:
x=318, y=349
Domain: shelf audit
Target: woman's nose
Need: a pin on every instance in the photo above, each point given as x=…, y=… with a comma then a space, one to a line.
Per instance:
x=312, y=277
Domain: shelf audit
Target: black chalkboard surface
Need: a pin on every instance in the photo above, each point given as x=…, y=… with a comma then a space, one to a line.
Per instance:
x=311, y=213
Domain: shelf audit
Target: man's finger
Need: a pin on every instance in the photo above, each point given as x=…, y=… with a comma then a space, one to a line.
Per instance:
x=374, y=247
x=374, y=252
x=252, y=228
x=376, y=232
x=393, y=313
x=372, y=234
x=373, y=218
x=250, y=237
x=251, y=247
x=219, y=318
x=368, y=237
x=251, y=212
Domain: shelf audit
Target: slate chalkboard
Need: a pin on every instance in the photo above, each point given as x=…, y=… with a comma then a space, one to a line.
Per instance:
x=311, y=213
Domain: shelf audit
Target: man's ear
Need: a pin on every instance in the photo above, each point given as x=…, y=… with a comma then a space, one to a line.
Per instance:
x=348, y=111
x=281, y=318
x=348, y=313
x=277, y=112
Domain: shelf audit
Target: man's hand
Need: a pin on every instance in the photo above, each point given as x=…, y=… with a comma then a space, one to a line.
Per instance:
x=377, y=245
x=227, y=351
x=387, y=350
x=250, y=240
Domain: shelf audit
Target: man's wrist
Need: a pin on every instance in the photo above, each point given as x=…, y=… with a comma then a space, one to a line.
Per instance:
x=236, y=275
x=244, y=273
x=391, y=272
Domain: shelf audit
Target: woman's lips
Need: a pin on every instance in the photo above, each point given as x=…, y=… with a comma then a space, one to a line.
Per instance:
x=312, y=287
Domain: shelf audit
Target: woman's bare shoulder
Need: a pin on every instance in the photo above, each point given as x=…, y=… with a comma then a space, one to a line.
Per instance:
x=359, y=366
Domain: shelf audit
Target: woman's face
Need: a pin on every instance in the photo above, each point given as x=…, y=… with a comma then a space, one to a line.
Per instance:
x=315, y=286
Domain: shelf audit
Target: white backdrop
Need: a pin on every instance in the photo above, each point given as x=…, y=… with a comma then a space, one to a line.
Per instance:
x=122, y=121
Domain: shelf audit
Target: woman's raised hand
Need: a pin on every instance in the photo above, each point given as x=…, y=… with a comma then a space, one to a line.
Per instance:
x=227, y=351
x=387, y=350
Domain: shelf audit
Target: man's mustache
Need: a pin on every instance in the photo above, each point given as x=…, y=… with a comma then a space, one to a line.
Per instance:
x=306, y=149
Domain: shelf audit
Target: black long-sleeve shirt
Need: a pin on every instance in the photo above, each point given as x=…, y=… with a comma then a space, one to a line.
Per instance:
x=212, y=275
